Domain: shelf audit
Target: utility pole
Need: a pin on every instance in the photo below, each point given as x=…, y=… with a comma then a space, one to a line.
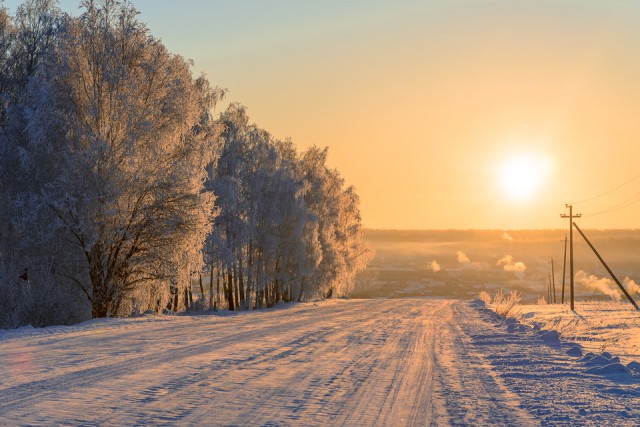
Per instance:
x=549, y=297
x=571, y=216
x=553, y=282
x=564, y=266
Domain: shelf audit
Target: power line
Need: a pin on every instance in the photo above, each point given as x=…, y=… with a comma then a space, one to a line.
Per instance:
x=606, y=193
x=627, y=202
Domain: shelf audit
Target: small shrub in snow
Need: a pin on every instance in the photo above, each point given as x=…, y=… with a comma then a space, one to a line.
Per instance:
x=485, y=297
x=542, y=301
x=606, y=344
x=503, y=304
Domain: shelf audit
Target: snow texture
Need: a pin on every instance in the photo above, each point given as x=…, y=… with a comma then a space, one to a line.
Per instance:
x=595, y=326
x=359, y=362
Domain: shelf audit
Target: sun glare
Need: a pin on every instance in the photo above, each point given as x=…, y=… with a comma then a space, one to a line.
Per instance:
x=522, y=175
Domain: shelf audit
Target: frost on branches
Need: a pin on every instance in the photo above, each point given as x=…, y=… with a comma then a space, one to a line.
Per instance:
x=111, y=162
x=287, y=229
x=116, y=141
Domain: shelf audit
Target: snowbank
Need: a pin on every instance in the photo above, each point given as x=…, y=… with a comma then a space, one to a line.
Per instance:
x=593, y=327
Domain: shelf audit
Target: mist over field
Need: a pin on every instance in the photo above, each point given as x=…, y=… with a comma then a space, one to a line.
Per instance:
x=461, y=263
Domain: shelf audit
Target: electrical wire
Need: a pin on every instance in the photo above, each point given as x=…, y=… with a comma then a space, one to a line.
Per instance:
x=621, y=205
x=606, y=193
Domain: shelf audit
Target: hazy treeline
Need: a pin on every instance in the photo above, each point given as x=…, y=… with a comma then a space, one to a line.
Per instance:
x=118, y=185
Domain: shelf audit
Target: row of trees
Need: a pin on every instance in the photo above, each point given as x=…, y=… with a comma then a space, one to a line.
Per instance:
x=110, y=165
x=287, y=228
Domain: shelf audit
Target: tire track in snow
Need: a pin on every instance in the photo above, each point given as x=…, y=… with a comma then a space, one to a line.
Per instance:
x=131, y=364
x=83, y=377
x=471, y=391
x=400, y=389
x=292, y=389
x=376, y=362
x=360, y=390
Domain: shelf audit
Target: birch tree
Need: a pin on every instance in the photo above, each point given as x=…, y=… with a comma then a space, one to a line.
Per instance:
x=287, y=227
x=119, y=136
x=24, y=40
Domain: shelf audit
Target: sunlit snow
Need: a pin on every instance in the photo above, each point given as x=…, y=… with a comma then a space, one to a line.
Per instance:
x=358, y=362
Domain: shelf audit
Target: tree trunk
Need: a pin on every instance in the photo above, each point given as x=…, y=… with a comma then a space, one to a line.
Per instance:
x=211, y=288
x=230, y=290
x=98, y=309
x=201, y=287
x=259, y=285
x=241, y=282
x=250, y=285
x=218, y=302
x=277, y=294
x=235, y=285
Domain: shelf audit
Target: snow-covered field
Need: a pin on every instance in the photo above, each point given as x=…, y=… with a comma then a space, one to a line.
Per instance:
x=598, y=327
x=359, y=362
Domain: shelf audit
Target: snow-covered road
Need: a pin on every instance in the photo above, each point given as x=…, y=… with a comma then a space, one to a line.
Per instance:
x=359, y=362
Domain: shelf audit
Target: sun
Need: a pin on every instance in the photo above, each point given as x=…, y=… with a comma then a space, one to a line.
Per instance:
x=522, y=175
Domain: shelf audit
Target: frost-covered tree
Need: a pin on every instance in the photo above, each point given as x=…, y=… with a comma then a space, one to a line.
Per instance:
x=6, y=41
x=339, y=230
x=106, y=143
x=36, y=29
x=118, y=138
x=249, y=180
x=24, y=41
x=286, y=229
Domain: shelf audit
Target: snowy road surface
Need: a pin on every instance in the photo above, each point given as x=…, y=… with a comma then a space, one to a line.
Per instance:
x=361, y=362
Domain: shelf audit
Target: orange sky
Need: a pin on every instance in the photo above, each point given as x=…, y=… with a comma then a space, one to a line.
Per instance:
x=422, y=102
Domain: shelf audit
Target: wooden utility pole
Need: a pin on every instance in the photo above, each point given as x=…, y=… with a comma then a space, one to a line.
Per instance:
x=571, y=216
x=564, y=266
x=613, y=276
x=553, y=282
x=549, y=297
